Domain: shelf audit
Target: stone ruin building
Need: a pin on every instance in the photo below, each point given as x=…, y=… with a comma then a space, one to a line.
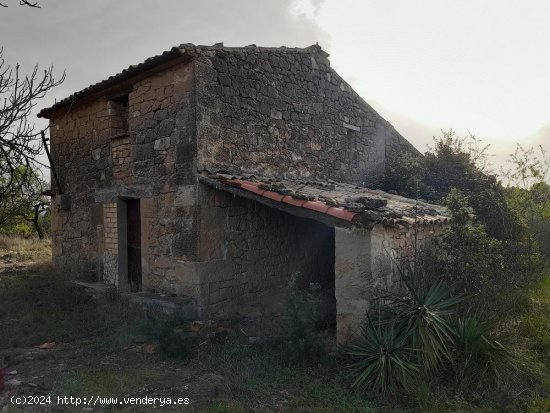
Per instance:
x=214, y=173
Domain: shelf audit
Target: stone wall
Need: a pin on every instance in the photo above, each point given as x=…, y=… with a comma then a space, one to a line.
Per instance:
x=162, y=125
x=169, y=224
x=272, y=111
x=366, y=268
x=285, y=112
x=136, y=141
x=79, y=138
x=122, y=161
x=247, y=251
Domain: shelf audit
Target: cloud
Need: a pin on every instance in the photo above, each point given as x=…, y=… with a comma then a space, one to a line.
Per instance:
x=93, y=39
x=310, y=8
x=542, y=137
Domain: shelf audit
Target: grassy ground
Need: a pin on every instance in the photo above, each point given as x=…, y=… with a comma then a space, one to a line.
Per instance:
x=106, y=348
x=534, y=319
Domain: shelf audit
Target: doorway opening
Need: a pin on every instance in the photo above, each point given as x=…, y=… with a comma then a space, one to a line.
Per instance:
x=133, y=237
x=317, y=245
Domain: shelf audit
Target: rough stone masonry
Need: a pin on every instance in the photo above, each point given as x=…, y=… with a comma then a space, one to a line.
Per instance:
x=149, y=132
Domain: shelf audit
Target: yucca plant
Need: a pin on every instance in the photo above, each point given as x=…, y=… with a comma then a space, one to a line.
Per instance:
x=426, y=310
x=385, y=362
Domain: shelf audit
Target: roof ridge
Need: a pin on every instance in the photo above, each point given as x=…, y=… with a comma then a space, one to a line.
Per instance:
x=183, y=49
x=251, y=47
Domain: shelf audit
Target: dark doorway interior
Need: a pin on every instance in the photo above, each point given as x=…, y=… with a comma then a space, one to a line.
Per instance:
x=133, y=234
x=315, y=254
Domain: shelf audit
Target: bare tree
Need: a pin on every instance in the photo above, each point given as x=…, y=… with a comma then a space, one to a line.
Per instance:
x=20, y=144
x=24, y=3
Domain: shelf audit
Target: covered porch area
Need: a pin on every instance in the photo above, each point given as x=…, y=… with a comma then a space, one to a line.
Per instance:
x=360, y=233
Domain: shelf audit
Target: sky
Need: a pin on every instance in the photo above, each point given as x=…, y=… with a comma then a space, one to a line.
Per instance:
x=477, y=66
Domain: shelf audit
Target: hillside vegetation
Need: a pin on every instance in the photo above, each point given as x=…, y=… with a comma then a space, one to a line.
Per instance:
x=468, y=332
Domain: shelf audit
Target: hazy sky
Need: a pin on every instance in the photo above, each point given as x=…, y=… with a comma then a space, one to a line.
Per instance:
x=479, y=65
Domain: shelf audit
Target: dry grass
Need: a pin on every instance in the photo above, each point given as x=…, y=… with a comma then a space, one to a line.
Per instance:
x=106, y=349
x=19, y=254
x=20, y=244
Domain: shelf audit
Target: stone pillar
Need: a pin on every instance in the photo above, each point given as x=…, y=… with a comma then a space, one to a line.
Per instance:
x=363, y=270
x=352, y=280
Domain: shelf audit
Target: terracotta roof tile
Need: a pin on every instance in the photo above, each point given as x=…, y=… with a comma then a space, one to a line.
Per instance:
x=296, y=202
x=341, y=213
x=357, y=205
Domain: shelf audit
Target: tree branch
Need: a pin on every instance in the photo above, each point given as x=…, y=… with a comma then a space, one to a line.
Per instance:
x=34, y=5
x=20, y=146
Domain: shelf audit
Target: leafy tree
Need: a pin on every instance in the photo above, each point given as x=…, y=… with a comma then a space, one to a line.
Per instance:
x=529, y=195
x=455, y=162
x=24, y=211
x=528, y=167
x=466, y=255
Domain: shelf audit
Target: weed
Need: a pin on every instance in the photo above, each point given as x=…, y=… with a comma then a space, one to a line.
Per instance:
x=539, y=405
x=535, y=318
x=303, y=313
x=173, y=335
x=477, y=357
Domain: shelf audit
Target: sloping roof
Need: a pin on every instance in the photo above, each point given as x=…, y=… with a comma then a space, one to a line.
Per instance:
x=188, y=50
x=344, y=204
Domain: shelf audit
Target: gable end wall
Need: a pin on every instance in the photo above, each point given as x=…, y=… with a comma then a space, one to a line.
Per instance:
x=287, y=113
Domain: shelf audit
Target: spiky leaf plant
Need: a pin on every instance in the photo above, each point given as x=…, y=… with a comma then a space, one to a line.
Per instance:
x=385, y=362
x=426, y=311
x=478, y=356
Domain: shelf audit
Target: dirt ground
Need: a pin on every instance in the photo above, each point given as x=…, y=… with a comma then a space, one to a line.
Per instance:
x=80, y=357
x=59, y=340
x=100, y=348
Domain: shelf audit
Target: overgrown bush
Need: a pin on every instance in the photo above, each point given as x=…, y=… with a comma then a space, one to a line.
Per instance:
x=534, y=323
x=420, y=334
x=173, y=335
x=455, y=162
x=533, y=206
x=478, y=358
x=302, y=317
x=465, y=255
x=493, y=253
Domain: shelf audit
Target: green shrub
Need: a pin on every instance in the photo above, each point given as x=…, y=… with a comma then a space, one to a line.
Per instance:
x=173, y=335
x=454, y=162
x=471, y=259
x=468, y=258
x=534, y=323
x=477, y=357
x=302, y=317
x=385, y=361
x=540, y=405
